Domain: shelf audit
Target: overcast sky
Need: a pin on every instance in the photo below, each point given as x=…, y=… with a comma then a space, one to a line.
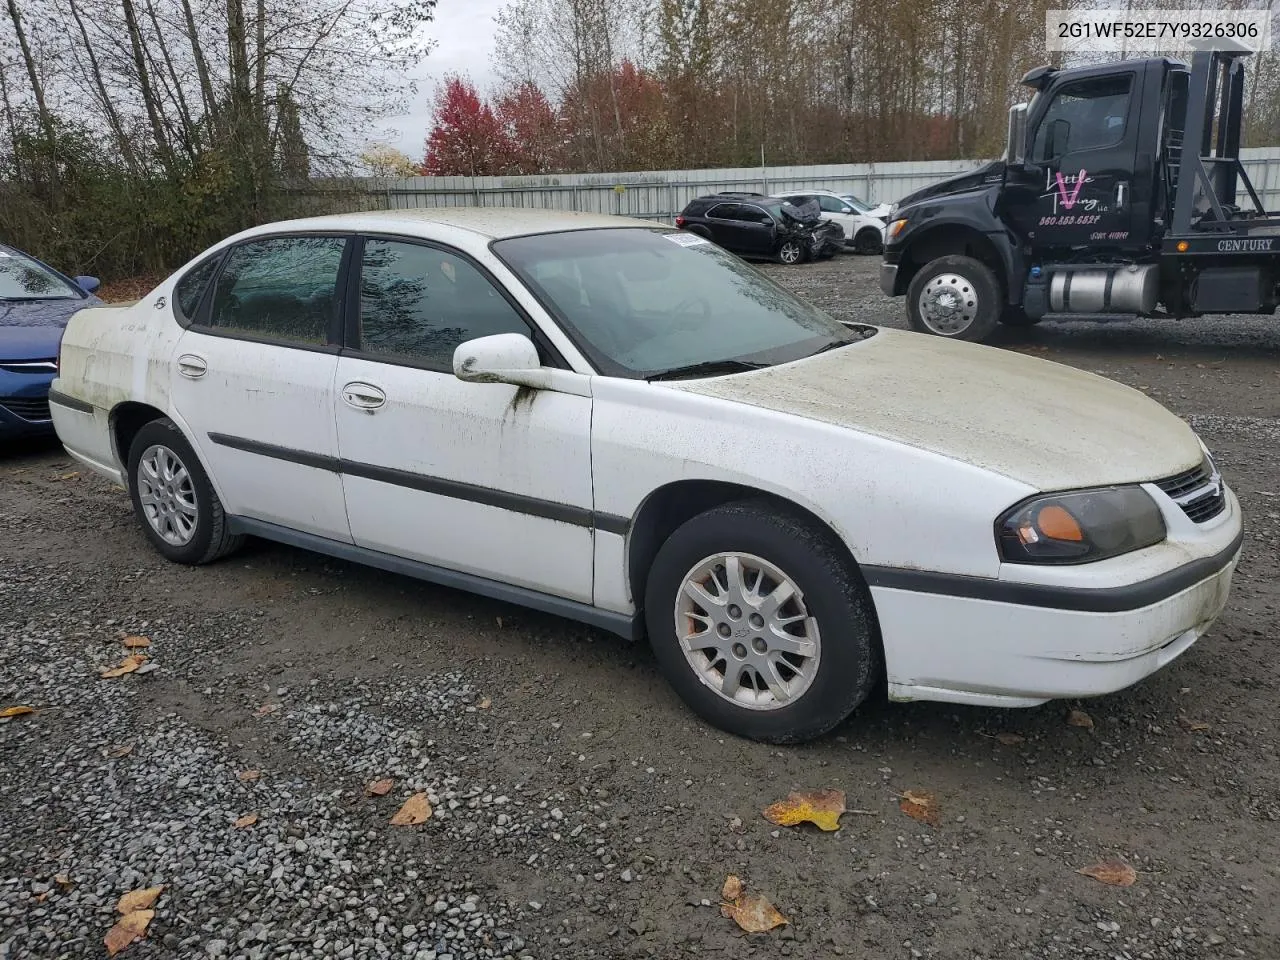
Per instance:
x=463, y=31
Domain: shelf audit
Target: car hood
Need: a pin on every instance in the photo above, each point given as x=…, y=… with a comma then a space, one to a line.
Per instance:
x=991, y=172
x=1049, y=426
x=32, y=330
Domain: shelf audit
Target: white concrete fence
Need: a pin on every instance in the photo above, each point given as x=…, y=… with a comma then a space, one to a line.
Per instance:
x=661, y=194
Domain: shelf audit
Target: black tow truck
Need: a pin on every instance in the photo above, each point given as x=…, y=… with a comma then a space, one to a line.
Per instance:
x=1121, y=192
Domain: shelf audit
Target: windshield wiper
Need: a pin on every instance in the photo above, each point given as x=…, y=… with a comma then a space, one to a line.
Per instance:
x=708, y=368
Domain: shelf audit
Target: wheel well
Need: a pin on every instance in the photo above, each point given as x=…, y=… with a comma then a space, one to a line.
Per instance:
x=949, y=240
x=667, y=508
x=126, y=420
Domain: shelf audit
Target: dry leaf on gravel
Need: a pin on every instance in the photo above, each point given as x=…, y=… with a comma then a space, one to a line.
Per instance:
x=754, y=913
x=1078, y=718
x=130, y=928
x=921, y=806
x=416, y=810
x=266, y=709
x=120, y=750
x=69, y=476
x=1195, y=726
x=139, y=899
x=1010, y=739
x=127, y=665
x=1115, y=872
x=822, y=808
x=16, y=711
x=248, y=820
x=380, y=788
x=244, y=776
x=63, y=881
x=732, y=888
x=136, y=643
x=485, y=704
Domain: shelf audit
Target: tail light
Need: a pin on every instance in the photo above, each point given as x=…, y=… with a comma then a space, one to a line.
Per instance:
x=680, y=221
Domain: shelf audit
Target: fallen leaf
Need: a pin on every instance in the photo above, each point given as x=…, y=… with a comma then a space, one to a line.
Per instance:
x=1010, y=739
x=248, y=820
x=136, y=643
x=139, y=899
x=68, y=476
x=63, y=881
x=921, y=806
x=732, y=888
x=121, y=750
x=1195, y=726
x=41, y=897
x=754, y=914
x=266, y=709
x=1115, y=872
x=128, y=929
x=380, y=788
x=127, y=665
x=1078, y=718
x=822, y=808
x=416, y=810
x=245, y=776
x=485, y=704
x=16, y=711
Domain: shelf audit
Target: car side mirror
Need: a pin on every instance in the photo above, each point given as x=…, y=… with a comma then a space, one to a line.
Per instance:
x=88, y=284
x=501, y=358
x=846, y=209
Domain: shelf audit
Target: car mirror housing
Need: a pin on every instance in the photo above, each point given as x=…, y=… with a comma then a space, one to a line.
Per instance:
x=88, y=284
x=501, y=358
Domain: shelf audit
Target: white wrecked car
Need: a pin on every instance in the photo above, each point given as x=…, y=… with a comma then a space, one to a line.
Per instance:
x=626, y=425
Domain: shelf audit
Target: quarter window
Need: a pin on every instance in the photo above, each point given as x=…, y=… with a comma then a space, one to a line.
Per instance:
x=420, y=303
x=282, y=288
x=190, y=289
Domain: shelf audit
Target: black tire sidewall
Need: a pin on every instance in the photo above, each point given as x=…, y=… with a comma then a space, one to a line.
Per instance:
x=990, y=296
x=834, y=593
x=166, y=432
x=867, y=241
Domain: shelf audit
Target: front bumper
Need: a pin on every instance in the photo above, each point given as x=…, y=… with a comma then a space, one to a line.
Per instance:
x=24, y=407
x=889, y=279
x=1058, y=642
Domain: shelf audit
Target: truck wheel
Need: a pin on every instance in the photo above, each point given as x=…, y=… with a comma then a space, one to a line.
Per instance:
x=761, y=623
x=954, y=297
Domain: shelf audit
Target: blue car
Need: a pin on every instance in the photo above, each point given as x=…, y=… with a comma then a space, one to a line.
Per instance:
x=36, y=302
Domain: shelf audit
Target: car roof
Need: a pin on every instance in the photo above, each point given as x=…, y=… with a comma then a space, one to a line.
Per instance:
x=494, y=223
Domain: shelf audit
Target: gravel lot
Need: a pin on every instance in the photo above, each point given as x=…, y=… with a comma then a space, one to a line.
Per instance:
x=580, y=811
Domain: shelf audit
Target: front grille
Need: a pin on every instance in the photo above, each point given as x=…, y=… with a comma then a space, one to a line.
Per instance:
x=1199, y=492
x=28, y=408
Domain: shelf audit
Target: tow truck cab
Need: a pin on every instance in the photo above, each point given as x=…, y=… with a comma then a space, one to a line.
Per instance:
x=1121, y=192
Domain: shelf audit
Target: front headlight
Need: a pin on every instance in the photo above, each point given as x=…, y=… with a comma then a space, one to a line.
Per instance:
x=1079, y=527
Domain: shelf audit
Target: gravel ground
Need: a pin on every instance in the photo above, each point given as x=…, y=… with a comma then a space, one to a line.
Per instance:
x=579, y=810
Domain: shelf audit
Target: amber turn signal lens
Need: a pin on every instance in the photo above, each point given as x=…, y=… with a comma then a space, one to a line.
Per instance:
x=1183, y=246
x=1054, y=522
x=895, y=228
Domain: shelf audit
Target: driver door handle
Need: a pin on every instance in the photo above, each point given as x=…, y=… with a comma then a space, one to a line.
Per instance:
x=363, y=396
x=1122, y=196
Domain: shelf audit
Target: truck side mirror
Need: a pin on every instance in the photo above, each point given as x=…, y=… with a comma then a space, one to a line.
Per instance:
x=1015, y=153
x=1059, y=135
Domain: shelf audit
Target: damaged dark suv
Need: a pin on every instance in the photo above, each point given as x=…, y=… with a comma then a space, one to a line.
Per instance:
x=755, y=226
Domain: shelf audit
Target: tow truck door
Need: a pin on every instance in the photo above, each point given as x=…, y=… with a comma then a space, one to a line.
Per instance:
x=1076, y=187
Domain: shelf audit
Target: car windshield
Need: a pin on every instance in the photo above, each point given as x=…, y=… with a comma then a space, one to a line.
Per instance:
x=641, y=303
x=22, y=278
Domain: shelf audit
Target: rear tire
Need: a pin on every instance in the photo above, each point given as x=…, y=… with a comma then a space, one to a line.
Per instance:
x=692, y=596
x=955, y=297
x=174, y=501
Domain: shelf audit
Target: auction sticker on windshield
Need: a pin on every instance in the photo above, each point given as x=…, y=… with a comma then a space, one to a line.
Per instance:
x=686, y=239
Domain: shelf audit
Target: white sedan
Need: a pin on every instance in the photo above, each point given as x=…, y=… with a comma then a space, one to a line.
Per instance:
x=624, y=424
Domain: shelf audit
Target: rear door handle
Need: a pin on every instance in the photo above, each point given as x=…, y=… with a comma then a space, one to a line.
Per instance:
x=363, y=396
x=192, y=367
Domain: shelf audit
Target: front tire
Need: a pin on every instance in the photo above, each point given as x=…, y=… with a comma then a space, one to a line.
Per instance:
x=761, y=623
x=955, y=297
x=792, y=252
x=867, y=242
x=174, y=501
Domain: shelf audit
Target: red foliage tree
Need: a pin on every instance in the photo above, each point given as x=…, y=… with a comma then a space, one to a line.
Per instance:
x=533, y=128
x=466, y=137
